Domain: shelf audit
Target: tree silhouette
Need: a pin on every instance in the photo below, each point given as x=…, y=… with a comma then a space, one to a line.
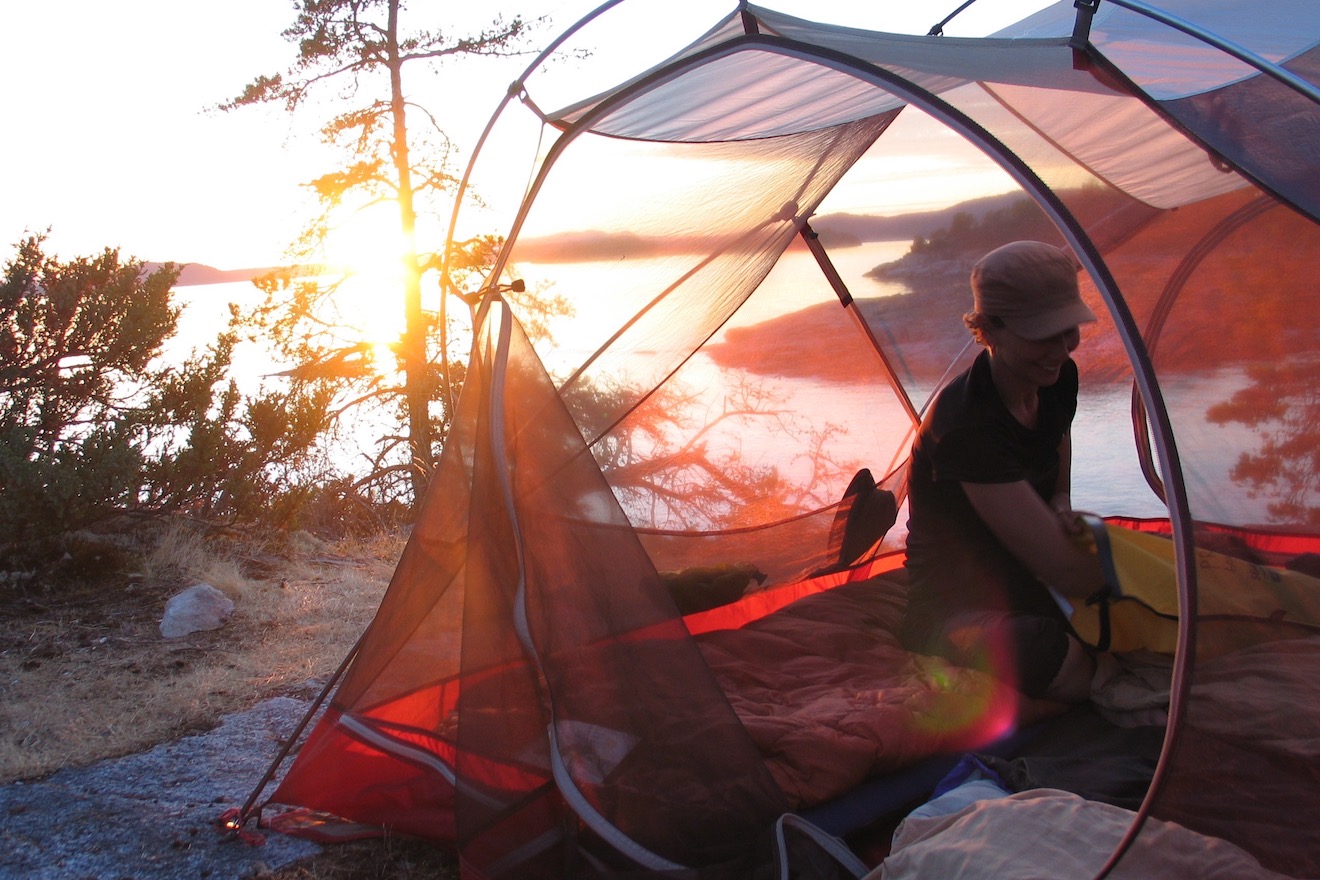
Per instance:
x=1283, y=404
x=361, y=46
x=668, y=465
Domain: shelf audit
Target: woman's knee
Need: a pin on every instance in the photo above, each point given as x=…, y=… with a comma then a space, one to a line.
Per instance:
x=1072, y=683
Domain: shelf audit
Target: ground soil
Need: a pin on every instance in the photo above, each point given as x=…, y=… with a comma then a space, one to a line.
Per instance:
x=87, y=681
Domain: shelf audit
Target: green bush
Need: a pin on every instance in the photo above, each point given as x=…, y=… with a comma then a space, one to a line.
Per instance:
x=93, y=424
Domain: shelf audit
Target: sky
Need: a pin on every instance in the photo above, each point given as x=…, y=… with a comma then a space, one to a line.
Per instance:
x=111, y=138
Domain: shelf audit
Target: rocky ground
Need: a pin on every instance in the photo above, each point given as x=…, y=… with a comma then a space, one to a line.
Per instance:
x=152, y=816
x=121, y=747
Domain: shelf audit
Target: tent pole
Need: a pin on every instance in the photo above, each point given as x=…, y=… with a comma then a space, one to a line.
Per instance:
x=246, y=810
x=1180, y=518
x=516, y=90
x=1254, y=59
x=812, y=239
x=1164, y=305
x=937, y=29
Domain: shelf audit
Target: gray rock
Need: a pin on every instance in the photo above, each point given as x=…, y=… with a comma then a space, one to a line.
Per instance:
x=151, y=816
x=197, y=608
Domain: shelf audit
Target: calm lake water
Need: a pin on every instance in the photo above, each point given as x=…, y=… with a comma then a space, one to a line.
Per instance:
x=1106, y=475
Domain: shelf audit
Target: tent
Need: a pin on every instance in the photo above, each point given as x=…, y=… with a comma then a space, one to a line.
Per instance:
x=740, y=340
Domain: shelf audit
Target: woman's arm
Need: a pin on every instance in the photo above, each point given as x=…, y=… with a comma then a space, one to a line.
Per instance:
x=1035, y=533
x=1061, y=500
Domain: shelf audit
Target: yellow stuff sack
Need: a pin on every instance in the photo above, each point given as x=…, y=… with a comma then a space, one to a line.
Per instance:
x=1143, y=608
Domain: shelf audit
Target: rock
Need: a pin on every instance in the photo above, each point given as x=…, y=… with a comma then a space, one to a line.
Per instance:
x=151, y=816
x=199, y=607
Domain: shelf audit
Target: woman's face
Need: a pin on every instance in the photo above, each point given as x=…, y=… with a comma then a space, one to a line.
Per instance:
x=1036, y=361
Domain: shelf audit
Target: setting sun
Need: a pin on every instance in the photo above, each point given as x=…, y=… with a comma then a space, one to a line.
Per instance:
x=368, y=251
x=368, y=243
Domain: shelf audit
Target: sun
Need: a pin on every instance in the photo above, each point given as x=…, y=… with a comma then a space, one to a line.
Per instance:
x=368, y=242
x=366, y=251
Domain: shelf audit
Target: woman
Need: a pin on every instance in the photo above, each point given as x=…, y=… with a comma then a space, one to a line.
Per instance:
x=991, y=525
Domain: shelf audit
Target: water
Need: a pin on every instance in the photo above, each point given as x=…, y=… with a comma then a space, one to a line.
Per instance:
x=1107, y=477
x=205, y=314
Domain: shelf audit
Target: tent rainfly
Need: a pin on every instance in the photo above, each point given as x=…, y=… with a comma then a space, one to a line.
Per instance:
x=632, y=630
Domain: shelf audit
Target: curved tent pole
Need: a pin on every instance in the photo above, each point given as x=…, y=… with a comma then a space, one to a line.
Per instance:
x=584, y=124
x=1174, y=285
x=1202, y=249
x=603, y=108
x=1241, y=53
x=1144, y=375
x=1164, y=305
x=1144, y=380
x=1119, y=78
x=568, y=786
x=1088, y=255
x=1180, y=516
x=516, y=89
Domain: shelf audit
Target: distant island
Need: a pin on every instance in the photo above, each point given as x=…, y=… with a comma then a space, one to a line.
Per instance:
x=924, y=322
x=1216, y=324
x=843, y=229
x=835, y=230
x=196, y=274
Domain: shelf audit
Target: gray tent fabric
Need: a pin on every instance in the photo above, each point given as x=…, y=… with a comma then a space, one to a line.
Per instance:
x=763, y=243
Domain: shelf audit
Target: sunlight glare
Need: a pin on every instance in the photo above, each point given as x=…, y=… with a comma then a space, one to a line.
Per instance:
x=368, y=251
x=368, y=243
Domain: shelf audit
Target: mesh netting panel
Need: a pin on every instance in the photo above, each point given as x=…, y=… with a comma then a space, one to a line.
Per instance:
x=614, y=657
x=701, y=404
x=689, y=238
x=1217, y=290
x=1233, y=334
x=759, y=433
x=1264, y=127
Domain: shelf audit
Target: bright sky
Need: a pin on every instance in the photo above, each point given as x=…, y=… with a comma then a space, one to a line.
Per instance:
x=109, y=139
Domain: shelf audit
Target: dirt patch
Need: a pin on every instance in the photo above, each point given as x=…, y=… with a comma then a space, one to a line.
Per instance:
x=121, y=746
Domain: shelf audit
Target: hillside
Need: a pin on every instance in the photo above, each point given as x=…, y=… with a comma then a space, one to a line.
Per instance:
x=1214, y=320
x=836, y=230
x=900, y=227
x=196, y=274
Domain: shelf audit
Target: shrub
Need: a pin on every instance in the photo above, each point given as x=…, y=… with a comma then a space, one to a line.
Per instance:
x=93, y=424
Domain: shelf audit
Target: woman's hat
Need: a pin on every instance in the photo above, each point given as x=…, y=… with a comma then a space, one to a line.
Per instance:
x=1032, y=287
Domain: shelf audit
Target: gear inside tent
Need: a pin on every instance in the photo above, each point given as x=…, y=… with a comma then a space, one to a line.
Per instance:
x=651, y=600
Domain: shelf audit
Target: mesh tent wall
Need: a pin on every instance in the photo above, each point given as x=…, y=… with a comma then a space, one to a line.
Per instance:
x=529, y=692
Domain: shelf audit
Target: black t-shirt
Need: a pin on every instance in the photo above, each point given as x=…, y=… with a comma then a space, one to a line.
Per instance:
x=955, y=562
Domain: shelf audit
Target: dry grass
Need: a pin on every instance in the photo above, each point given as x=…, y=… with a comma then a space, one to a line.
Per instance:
x=85, y=674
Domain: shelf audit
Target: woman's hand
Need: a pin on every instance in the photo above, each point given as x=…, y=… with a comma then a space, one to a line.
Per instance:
x=1070, y=519
x=1040, y=534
